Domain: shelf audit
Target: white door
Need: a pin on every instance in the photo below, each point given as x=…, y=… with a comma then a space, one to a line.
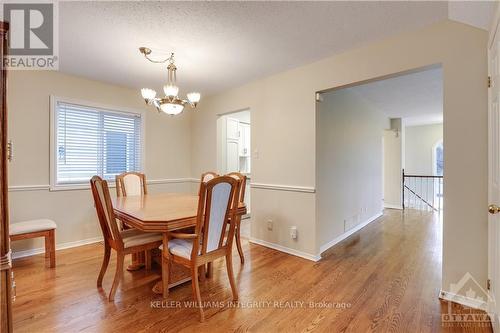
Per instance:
x=244, y=139
x=232, y=145
x=232, y=129
x=232, y=156
x=494, y=179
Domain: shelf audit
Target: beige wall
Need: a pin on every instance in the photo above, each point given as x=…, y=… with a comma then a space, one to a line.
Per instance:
x=349, y=155
x=419, y=148
x=284, y=134
x=393, y=149
x=168, y=142
x=283, y=147
x=283, y=141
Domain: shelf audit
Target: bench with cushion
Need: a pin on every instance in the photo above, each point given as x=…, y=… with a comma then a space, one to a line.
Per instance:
x=37, y=228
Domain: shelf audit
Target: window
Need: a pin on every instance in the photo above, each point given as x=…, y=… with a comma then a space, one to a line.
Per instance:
x=438, y=159
x=89, y=140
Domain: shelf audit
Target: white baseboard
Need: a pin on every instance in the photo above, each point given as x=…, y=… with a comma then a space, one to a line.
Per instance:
x=463, y=300
x=285, y=249
x=348, y=233
x=62, y=246
x=391, y=206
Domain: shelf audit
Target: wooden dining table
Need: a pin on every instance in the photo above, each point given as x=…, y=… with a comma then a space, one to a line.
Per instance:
x=163, y=213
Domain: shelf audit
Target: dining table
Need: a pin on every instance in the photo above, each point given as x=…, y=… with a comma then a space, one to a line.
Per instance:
x=162, y=213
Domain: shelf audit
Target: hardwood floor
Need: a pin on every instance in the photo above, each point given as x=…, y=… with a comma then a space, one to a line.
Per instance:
x=385, y=278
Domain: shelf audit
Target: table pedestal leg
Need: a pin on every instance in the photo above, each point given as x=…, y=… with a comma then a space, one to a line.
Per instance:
x=158, y=287
x=171, y=276
x=165, y=263
x=138, y=261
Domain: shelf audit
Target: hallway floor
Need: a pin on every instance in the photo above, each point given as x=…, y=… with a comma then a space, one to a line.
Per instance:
x=385, y=278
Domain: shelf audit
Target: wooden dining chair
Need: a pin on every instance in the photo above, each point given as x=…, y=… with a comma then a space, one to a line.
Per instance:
x=122, y=241
x=205, y=177
x=130, y=184
x=241, y=199
x=208, y=241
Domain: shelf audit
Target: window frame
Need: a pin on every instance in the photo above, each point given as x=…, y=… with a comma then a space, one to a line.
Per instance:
x=434, y=156
x=54, y=100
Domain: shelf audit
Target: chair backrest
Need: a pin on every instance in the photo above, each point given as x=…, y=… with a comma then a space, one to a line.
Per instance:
x=131, y=183
x=243, y=183
x=205, y=177
x=214, y=208
x=104, y=208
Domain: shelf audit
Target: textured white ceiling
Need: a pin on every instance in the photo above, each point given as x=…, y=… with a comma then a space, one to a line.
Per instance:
x=416, y=97
x=220, y=45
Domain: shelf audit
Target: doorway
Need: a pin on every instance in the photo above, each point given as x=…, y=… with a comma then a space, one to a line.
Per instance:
x=424, y=167
x=363, y=136
x=234, y=147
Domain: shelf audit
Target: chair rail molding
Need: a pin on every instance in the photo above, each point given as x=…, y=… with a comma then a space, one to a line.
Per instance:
x=289, y=188
x=262, y=186
x=46, y=187
x=172, y=181
x=18, y=188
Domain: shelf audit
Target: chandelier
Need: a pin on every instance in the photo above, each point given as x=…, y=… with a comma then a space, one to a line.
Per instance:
x=171, y=103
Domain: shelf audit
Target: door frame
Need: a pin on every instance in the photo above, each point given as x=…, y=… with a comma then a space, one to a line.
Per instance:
x=493, y=239
x=6, y=324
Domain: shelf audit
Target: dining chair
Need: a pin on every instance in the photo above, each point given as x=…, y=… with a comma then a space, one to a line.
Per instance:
x=122, y=241
x=241, y=199
x=208, y=242
x=130, y=184
x=205, y=177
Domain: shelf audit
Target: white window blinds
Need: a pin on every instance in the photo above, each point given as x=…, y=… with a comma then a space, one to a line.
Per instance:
x=93, y=141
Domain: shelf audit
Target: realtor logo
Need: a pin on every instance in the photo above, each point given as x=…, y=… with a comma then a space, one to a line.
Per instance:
x=32, y=35
x=467, y=291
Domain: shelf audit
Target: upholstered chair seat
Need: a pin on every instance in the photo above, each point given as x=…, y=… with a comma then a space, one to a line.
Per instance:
x=180, y=247
x=133, y=237
x=37, y=228
x=24, y=227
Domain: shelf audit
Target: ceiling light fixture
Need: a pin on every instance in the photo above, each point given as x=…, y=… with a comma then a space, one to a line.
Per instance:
x=171, y=103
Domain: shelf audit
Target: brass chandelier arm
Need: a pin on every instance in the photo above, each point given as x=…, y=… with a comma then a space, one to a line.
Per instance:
x=156, y=61
x=172, y=100
x=147, y=51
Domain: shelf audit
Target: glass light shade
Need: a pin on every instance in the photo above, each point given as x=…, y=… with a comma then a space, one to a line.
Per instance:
x=171, y=108
x=171, y=90
x=148, y=94
x=194, y=97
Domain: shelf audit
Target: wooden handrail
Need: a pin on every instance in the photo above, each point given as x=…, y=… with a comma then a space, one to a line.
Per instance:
x=421, y=176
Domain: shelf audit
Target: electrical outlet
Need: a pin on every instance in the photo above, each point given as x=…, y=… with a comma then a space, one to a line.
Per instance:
x=270, y=224
x=293, y=232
